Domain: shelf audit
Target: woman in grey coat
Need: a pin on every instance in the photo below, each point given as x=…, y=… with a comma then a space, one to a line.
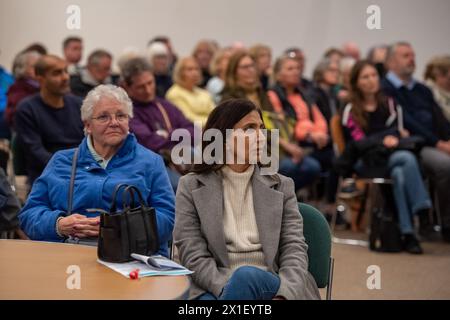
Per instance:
x=237, y=227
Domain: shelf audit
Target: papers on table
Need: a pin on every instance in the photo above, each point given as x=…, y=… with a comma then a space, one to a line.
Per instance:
x=148, y=266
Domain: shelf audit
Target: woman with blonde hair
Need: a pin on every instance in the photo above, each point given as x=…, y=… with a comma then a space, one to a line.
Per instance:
x=262, y=55
x=437, y=77
x=218, y=69
x=203, y=53
x=195, y=103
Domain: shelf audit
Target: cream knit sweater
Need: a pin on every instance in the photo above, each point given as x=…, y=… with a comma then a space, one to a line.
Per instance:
x=239, y=223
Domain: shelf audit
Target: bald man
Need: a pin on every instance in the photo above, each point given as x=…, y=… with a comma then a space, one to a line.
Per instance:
x=49, y=120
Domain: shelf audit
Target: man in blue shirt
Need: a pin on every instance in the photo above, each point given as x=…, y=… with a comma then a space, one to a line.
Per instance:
x=422, y=117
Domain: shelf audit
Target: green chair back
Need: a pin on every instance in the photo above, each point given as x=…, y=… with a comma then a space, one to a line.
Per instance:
x=318, y=237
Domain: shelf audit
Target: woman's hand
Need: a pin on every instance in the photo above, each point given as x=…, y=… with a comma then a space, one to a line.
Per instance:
x=320, y=139
x=79, y=226
x=390, y=141
x=295, y=151
x=404, y=133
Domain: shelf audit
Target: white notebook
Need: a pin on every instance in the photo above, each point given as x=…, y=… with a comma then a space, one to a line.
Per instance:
x=148, y=266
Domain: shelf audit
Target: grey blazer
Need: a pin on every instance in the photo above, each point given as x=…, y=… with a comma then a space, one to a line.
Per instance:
x=200, y=240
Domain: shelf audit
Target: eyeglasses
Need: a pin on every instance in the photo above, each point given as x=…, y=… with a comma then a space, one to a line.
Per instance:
x=247, y=66
x=107, y=118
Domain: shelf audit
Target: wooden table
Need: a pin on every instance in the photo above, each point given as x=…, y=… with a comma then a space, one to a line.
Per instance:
x=38, y=270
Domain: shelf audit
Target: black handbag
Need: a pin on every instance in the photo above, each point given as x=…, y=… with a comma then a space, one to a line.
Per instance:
x=130, y=230
x=385, y=233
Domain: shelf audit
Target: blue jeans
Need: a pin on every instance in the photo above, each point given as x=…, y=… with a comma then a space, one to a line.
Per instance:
x=248, y=283
x=408, y=188
x=303, y=173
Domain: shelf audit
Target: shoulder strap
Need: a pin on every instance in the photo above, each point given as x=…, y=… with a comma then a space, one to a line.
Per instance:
x=72, y=182
x=165, y=116
x=308, y=102
x=285, y=104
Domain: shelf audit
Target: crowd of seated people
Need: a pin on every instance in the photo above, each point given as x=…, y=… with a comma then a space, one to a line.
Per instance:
x=123, y=130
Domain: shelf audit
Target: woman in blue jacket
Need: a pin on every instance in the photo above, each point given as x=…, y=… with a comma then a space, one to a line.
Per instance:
x=108, y=155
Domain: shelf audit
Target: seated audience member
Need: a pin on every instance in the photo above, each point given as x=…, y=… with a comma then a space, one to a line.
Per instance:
x=377, y=55
x=73, y=52
x=437, y=77
x=203, y=54
x=298, y=55
x=310, y=127
x=371, y=122
x=6, y=80
x=242, y=81
x=334, y=54
x=343, y=87
x=25, y=83
x=218, y=69
x=155, y=119
x=239, y=230
x=128, y=53
x=423, y=117
x=158, y=56
x=350, y=49
x=195, y=103
x=326, y=79
x=50, y=120
x=262, y=55
x=9, y=206
x=96, y=72
x=38, y=47
x=107, y=156
x=173, y=58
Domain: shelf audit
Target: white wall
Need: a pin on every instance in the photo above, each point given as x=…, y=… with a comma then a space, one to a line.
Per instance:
x=311, y=24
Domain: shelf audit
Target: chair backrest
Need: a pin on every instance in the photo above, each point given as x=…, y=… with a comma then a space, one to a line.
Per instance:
x=337, y=134
x=318, y=237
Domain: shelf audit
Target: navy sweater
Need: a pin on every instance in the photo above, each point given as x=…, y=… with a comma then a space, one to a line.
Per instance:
x=422, y=115
x=43, y=130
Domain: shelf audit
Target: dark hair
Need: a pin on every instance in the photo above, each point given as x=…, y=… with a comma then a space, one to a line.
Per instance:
x=39, y=48
x=44, y=63
x=357, y=97
x=70, y=39
x=163, y=39
x=332, y=51
x=95, y=56
x=223, y=117
x=134, y=67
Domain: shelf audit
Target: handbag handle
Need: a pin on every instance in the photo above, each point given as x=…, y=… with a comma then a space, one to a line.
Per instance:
x=116, y=190
x=72, y=182
x=130, y=189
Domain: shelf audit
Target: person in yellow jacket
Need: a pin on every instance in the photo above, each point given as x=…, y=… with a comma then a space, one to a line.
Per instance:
x=195, y=103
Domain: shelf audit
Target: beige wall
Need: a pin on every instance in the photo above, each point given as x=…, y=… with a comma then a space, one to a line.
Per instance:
x=312, y=24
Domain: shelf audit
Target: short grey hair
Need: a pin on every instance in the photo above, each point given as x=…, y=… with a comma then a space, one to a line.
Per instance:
x=96, y=56
x=21, y=61
x=320, y=69
x=134, y=67
x=105, y=91
x=393, y=48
